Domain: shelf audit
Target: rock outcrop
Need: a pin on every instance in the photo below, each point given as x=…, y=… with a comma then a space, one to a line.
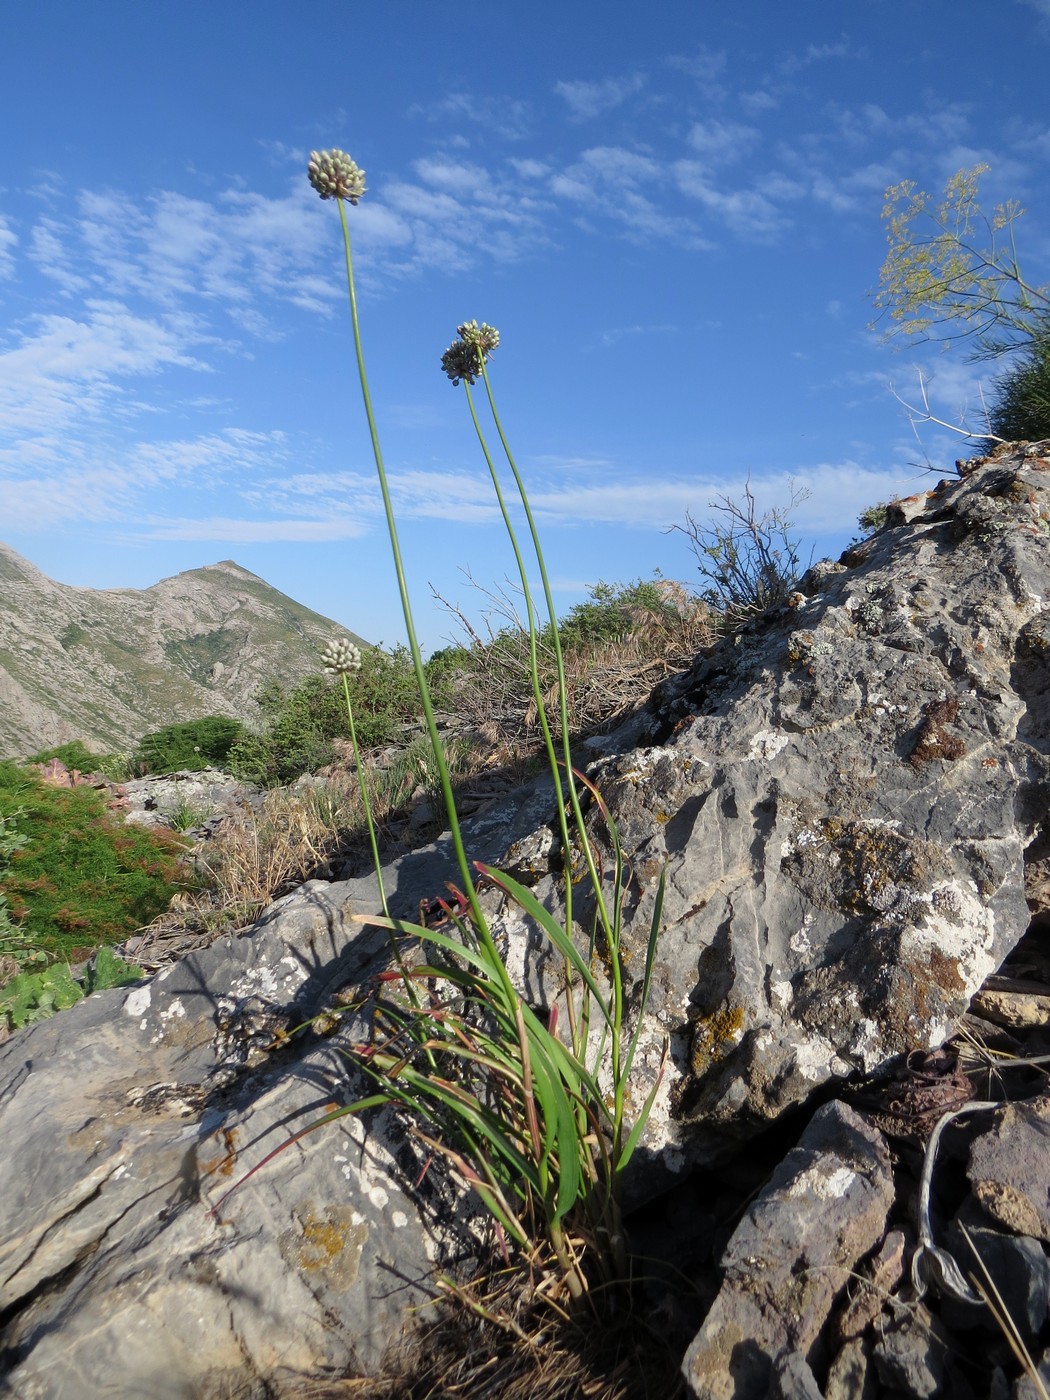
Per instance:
x=108, y=665
x=847, y=795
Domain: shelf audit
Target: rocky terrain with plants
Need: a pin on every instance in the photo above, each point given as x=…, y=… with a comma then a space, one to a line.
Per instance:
x=645, y=1003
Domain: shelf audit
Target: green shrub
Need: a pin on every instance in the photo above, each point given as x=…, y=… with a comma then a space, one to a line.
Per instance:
x=300, y=725
x=81, y=877
x=615, y=611
x=195, y=744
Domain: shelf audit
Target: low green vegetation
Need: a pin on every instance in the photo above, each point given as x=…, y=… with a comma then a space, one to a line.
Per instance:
x=79, y=877
x=34, y=996
x=191, y=746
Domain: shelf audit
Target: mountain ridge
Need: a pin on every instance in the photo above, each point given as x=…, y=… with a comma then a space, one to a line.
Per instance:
x=108, y=665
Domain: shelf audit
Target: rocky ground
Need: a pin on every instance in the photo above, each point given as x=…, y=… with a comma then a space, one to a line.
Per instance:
x=850, y=799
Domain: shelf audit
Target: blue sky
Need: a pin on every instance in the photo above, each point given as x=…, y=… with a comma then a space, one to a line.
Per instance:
x=671, y=212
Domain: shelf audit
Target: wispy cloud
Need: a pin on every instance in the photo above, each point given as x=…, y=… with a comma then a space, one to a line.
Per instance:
x=746, y=211
x=8, y=243
x=473, y=115
x=67, y=369
x=612, y=181
x=593, y=99
x=814, y=53
x=723, y=142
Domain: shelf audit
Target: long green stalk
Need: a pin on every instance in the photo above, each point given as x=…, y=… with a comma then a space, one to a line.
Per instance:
x=480, y=923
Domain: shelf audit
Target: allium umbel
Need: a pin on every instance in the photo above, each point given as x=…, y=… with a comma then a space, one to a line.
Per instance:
x=341, y=658
x=335, y=176
x=464, y=357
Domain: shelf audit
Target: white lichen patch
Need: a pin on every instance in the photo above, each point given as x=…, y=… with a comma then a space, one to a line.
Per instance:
x=262, y=982
x=137, y=1002
x=766, y=745
x=399, y=1219
x=174, y=1011
x=825, y=1185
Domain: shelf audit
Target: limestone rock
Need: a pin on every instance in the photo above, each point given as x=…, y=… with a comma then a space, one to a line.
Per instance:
x=823, y=1209
x=842, y=795
x=124, y=1272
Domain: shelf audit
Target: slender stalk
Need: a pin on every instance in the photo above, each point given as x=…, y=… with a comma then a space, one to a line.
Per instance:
x=363, y=786
x=479, y=922
x=562, y=696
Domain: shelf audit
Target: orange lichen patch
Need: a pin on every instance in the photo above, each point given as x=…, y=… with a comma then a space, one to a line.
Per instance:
x=933, y=740
x=945, y=971
x=714, y=1036
x=222, y=1165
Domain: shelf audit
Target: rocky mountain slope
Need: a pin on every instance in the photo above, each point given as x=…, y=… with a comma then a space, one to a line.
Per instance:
x=108, y=665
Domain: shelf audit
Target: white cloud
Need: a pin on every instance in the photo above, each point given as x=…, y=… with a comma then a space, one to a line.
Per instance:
x=467, y=117
x=746, y=212
x=722, y=143
x=8, y=243
x=593, y=99
x=67, y=370
x=237, y=531
x=815, y=53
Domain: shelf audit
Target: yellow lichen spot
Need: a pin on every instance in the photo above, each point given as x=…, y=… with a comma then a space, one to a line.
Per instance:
x=714, y=1036
x=328, y=1242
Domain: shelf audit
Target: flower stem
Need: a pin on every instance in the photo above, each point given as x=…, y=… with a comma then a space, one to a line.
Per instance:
x=480, y=924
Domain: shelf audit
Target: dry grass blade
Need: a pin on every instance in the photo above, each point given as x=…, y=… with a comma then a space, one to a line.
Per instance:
x=993, y=1299
x=502, y=1339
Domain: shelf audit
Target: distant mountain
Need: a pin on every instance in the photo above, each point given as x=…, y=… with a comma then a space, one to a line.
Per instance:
x=109, y=665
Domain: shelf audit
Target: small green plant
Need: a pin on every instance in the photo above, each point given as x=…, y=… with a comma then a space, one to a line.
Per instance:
x=34, y=996
x=196, y=744
x=184, y=815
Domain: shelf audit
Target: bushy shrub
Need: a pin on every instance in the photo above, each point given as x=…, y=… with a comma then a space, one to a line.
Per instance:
x=616, y=611
x=195, y=744
x=749, y=560
x=300, y=725
x=82, y=877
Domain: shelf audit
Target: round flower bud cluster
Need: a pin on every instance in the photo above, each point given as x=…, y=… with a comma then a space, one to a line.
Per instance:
x=335, y=176
x=341, y=658
x=464, y=357
x=484, y=337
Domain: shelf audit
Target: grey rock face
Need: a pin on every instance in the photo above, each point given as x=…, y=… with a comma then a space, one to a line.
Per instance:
x=1010, y=1168
x=125, y=1271
x=843, y=795
x=823, y=1209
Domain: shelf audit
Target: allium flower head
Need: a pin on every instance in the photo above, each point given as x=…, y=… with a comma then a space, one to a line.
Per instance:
x=341, y=658
x=484, y=337
x=464, y=357
x=335, y=176
x=461, y=361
